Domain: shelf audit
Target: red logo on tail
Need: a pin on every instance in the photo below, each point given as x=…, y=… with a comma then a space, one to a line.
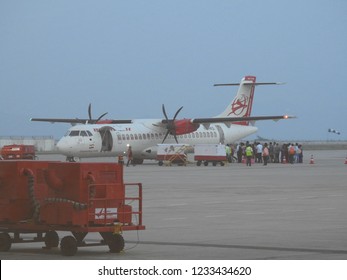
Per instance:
x=239, y=105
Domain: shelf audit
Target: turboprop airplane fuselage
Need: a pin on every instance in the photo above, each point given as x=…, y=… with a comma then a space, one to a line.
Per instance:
x=95, y=140
x=111, y=137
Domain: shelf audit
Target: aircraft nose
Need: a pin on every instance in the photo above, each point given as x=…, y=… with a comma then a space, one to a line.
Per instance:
x=62, y=146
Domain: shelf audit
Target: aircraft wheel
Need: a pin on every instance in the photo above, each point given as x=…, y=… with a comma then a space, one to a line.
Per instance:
x=68, y=246
x=5, y=242
x=51, y=239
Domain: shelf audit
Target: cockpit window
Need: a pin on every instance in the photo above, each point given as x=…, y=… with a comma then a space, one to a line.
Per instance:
x=83, y=133
x=74, y=133
x=89, y=133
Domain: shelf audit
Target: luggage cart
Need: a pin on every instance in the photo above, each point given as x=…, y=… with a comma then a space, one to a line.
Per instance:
x=206, y=153
x=169, y=154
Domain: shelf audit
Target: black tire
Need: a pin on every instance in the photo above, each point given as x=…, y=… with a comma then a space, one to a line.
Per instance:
x=214, y=163
x=206, y=163
x=68, y=246
x=5, y=242
x=160, y=163
x=222, y=163
x=51, y=239
x=116, y=243
x=198, y=163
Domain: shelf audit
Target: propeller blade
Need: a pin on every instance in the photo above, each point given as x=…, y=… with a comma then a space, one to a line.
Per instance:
x=170, y=124
x=175, y=138
x=167, y=133
x=101, y=117
x=164, y=112
x=177, y=112
x=90, y=111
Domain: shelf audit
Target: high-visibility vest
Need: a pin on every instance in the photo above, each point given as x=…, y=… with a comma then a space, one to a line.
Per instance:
x=249, y=151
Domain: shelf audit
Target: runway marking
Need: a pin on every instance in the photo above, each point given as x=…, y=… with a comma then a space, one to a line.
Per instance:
x=247, y=247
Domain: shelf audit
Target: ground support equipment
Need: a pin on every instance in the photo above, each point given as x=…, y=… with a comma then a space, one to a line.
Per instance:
x=41, y=199
x=210, y=153
x=169, y=154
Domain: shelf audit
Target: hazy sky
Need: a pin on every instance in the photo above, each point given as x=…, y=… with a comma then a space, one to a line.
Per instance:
x=127, y=58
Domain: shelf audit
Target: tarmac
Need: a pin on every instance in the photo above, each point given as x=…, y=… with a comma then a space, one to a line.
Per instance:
x=234, y=212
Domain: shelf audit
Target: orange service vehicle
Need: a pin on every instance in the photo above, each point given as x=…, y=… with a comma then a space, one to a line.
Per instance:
x=14, y=151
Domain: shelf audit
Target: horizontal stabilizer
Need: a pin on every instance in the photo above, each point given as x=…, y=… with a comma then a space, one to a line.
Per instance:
x=249, y=82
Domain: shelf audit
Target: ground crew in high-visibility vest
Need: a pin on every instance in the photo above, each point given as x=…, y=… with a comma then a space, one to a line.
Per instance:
x=249, y=155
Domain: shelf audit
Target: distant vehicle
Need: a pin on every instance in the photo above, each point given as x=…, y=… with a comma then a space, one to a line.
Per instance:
x=11, y=152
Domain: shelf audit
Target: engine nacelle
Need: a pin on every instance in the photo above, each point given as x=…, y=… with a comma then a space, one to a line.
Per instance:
x=185, y=126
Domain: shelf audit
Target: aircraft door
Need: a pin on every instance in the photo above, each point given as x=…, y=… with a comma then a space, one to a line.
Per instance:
x=106, y=138
x=221, y=134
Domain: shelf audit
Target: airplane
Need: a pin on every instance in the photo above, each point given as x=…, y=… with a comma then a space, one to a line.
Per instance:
x=111, y=138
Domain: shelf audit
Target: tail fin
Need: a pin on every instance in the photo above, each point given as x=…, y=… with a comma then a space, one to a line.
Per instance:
x=241, y=106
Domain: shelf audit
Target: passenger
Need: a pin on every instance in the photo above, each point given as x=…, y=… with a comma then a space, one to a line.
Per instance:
x=239, y=152
x=291, y=153
x=284, y=153
x=130, y=156
x=296, y=156
x=277, y=151
x=249, y=155
x=259, y=153
x=271, y=152
x=228, y=152
x=265, y=154
x=300, y=154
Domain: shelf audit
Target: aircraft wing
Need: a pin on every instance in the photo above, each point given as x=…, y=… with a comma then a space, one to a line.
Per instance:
x=241, y=119
x=82, y=121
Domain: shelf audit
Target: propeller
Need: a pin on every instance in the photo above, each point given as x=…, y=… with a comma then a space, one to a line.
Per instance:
x=91, y=120
x=170, y=124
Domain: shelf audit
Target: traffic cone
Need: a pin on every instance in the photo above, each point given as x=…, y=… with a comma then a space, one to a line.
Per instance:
x=284, y=160
x=311, y=160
